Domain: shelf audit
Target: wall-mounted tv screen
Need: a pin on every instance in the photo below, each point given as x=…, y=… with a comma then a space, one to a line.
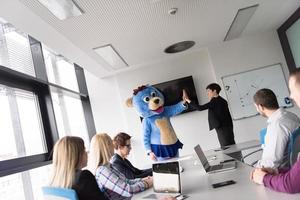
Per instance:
x=289, y=35
x=172, y=91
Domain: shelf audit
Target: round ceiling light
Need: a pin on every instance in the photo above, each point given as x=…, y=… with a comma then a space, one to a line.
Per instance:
x=179, y=47
x=173, y=11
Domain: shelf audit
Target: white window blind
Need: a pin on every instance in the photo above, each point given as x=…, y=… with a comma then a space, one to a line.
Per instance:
x=69, y=115
x=15, y=50
x=59, y=70
x=20, y=124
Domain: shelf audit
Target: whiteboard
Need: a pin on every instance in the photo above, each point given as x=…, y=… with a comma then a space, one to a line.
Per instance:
x=240, y=89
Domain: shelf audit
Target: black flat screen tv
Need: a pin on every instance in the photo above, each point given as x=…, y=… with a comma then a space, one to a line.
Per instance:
x=289, y=35
x=172, y=90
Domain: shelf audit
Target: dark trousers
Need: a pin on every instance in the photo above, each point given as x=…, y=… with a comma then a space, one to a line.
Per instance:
x=226, y=137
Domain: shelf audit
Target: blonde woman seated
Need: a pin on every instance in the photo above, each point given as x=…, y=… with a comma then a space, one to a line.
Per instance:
x=112, y=182
x=69, y=157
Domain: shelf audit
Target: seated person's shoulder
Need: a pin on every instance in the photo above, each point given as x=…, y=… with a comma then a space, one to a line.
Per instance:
x=86, y=186
x=283, y=128
x=118, y=163
x=286, y=117
x=289, y=119
x=290, y=116
x=104, y=170
x=83, y=177
x=115, y=159
x=86, y=173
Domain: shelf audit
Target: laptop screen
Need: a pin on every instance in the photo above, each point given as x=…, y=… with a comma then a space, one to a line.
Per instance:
x=166, y=177
x=202, y=157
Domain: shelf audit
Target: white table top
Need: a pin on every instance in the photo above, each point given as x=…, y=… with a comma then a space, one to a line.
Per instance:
x=197, y=184
x=242, y=146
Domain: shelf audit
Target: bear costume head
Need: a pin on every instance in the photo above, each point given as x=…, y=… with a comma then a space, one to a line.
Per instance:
x=147, y=101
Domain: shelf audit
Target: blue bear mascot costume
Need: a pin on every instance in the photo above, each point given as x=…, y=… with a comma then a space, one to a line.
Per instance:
x=160, y=140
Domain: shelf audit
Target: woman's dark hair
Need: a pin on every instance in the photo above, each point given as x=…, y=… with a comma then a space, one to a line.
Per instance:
x=214, y=86
x=120, y=140
x=266, y=98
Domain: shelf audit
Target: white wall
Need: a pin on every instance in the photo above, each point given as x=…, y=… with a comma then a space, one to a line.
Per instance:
x=106, y=104
x=206, y=66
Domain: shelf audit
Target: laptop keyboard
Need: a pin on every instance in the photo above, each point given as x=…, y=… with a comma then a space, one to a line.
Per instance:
x=216, y=167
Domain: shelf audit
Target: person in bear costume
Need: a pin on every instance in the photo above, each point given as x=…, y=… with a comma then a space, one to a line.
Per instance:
x=160, y=140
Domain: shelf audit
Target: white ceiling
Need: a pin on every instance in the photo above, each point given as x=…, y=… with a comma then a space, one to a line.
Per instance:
x=141, y=29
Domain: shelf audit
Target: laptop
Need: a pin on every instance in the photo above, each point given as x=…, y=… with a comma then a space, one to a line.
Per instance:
x=212, y=168
x=166, y=177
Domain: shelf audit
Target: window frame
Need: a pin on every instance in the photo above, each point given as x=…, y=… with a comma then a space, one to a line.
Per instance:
x=284, y=39
x=41, y=87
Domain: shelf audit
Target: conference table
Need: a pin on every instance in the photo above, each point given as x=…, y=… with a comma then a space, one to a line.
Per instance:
x=242, y=146
x=196, y=183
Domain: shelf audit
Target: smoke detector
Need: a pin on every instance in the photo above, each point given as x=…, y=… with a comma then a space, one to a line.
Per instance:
x=172, y=11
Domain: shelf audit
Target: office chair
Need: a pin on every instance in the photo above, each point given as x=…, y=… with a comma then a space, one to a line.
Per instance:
x=54, y=193
x=294, y=146
x=262, y=135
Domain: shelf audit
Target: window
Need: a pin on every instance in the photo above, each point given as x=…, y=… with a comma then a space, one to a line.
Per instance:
x=11, y=187
x=43, y=96
x=288, y=34
x=20, y=123
x=59, y=70
x=15, y=50
x=37, y=181
x=69, y=114
x=25, y=185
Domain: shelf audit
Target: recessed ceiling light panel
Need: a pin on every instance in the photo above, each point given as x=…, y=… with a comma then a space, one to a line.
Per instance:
x=62, y=9
x=240, y=22
x=179, y=47
x=173, y=11
x=111, y=56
